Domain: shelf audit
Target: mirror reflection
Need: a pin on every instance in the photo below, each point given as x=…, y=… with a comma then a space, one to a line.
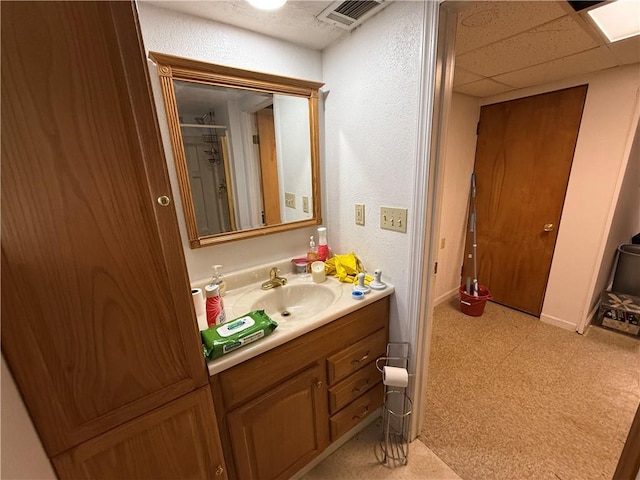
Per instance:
x=245, y=146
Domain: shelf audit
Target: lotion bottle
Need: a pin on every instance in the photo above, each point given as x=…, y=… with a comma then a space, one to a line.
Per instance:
x=323, y=248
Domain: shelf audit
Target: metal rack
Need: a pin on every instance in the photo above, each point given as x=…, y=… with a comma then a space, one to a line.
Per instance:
x=396, y=409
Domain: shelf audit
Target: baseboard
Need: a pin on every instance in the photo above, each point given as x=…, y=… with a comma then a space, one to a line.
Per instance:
x=445, y=296
x=338, y=443
x=558, y=322
x=593, y=314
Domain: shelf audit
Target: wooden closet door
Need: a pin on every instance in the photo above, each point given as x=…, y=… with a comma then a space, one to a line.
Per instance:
x=523, y=161
x=97, y=322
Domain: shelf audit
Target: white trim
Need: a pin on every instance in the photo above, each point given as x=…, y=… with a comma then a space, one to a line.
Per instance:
x=612, y=210
x=558, y=322
x=338, y=443
x=445, y=296
x=427, y=198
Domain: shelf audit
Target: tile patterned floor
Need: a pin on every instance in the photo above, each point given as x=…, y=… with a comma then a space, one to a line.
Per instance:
x=510, y=397
x=358, y=460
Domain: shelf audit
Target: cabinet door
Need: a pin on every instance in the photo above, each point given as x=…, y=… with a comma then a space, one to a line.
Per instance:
x=177, y=441
x=97, y=323
x=278, y=433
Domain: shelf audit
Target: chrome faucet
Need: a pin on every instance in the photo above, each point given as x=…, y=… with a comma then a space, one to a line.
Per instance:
x=274, y=280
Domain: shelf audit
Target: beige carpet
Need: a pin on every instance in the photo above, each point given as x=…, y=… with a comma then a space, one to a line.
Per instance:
x=510, y=397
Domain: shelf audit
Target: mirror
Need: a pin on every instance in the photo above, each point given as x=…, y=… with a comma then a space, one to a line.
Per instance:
x=245, y=146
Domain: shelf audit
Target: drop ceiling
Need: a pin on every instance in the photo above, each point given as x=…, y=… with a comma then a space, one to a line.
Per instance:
x=500, y=45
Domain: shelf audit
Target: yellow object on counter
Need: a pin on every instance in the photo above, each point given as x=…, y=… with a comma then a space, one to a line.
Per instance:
x=346, y=268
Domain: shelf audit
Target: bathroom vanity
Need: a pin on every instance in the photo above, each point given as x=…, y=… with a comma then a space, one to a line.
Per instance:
x=280, y=409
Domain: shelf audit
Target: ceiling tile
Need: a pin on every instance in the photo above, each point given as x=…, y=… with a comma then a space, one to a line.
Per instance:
x=462, y=76
x=483, y=88
x=483, y=23
x=584, y=62
x=556, y=39
x=626, y=51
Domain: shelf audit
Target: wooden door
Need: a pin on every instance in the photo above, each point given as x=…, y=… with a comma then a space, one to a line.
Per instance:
x=177, y=441
x=97, y=323
x=278, y=433
x=268, y=166
x=523, y=160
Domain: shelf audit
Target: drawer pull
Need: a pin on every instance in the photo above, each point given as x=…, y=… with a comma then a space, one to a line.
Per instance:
x=363, y=414
x=219, y=470
x=358, y=390
x=364, y=357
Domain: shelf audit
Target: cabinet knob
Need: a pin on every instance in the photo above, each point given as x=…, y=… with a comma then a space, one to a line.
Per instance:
x=219, y=470
x=548, y=227
x=318, y=384
x=164, y=200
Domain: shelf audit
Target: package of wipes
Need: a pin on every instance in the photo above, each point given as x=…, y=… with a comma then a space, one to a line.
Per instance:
x=219, y=340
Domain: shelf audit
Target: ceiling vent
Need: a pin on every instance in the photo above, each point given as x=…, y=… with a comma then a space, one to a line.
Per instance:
x=348, y=15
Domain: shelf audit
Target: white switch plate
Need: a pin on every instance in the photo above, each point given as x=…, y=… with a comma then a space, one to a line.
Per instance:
x=290, y=200
x=360, y=214
x=305, y=204
x=393, y=219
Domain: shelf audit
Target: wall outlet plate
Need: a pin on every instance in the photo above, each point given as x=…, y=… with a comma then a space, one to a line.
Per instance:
x=393, y=219
x=360, y=214
x=305, y=204
x=290, y=200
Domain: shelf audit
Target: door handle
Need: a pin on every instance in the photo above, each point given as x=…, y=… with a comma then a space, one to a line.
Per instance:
x=548, y=227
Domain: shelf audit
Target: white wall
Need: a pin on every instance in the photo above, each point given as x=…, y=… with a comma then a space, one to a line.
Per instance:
x=625, y=221
x=459, y=158
x=599, y=156
x=188, y=36
x=23, y=456
x=372, y=78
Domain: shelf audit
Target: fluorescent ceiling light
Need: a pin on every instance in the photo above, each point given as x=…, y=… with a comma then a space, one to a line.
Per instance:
x=267, y=4
x=618, y=20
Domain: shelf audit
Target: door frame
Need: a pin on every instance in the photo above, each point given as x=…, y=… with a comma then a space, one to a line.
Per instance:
x=428, y=195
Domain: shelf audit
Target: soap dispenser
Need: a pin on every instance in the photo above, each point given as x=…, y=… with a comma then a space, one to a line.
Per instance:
x=218, y=279
x=312, y=253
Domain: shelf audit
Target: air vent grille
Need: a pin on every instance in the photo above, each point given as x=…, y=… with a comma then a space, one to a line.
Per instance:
x=350, y=14
x=356, y=9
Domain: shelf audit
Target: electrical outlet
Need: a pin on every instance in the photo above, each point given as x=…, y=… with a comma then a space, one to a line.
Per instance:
x=393, y=219
x=360, y=214
x=442, y=243
x=305, y=204
x=289, y=200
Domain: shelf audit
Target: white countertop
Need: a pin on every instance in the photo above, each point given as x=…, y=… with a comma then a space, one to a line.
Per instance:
x=288, y=327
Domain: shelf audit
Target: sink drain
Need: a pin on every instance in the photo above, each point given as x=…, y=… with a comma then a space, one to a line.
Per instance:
x=285, y=313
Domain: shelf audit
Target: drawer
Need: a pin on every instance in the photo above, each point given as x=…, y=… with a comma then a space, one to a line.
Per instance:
x=353, y=386
x=353, y=358
x=352, y=414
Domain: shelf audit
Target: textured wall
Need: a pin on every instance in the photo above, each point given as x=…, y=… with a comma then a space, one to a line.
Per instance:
x=459, y=160
x=184, y=35
x=372, y=78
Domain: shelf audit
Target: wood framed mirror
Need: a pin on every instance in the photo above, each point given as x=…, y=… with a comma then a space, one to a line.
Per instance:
x=246, y=149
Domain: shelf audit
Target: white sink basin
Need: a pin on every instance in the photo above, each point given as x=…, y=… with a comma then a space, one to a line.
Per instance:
x=292, y=301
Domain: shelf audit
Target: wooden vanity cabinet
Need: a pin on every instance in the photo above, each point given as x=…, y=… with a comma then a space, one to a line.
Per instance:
x=175, y=441
x=98, y=327
x=282, y=408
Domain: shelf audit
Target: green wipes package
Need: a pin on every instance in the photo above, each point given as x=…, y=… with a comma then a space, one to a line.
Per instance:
x=219, y=340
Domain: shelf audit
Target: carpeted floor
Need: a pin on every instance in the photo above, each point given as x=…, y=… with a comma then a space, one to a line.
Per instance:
x=510, y=397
